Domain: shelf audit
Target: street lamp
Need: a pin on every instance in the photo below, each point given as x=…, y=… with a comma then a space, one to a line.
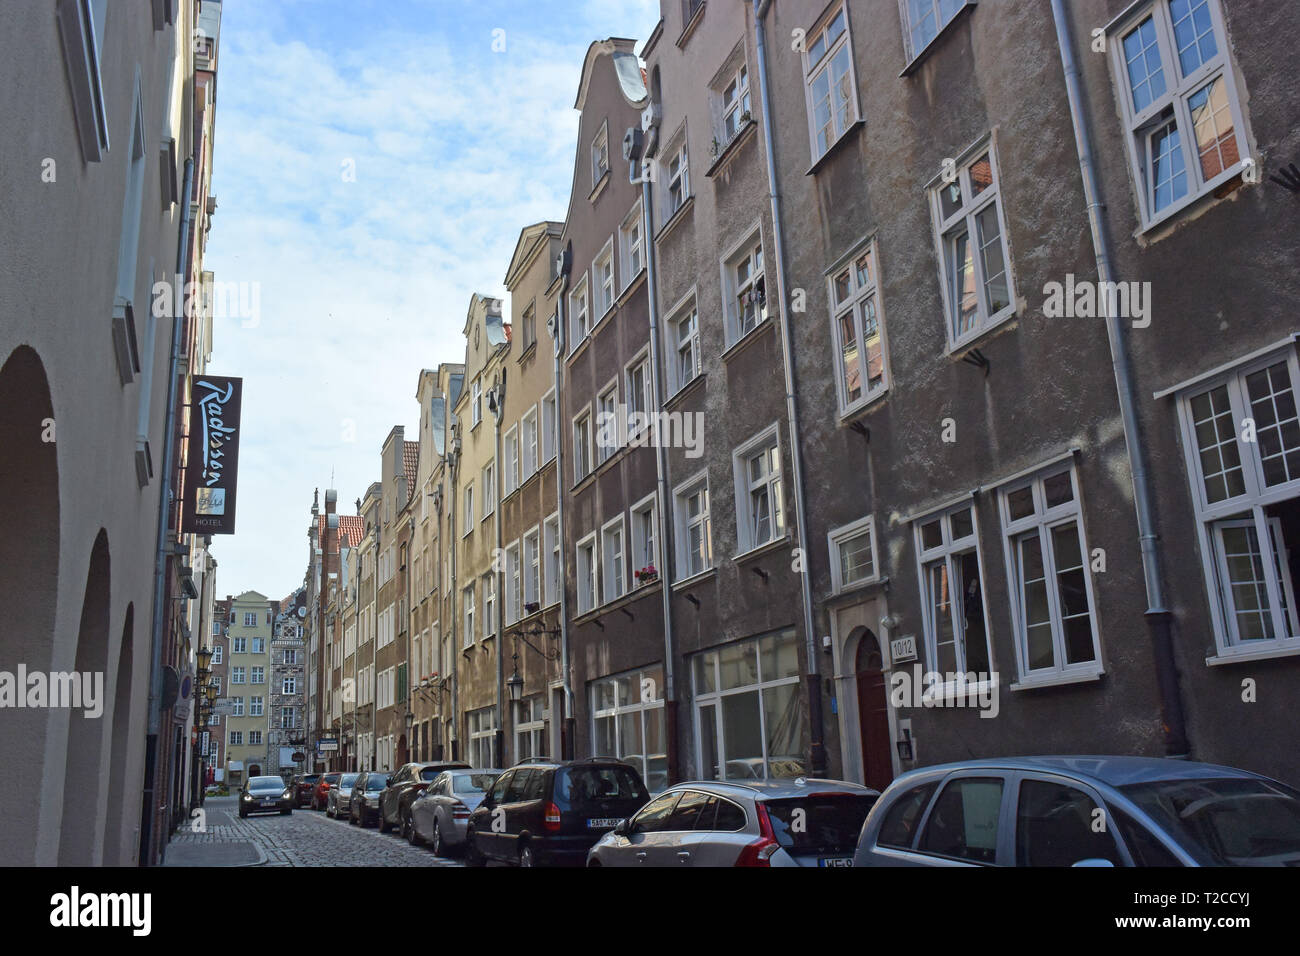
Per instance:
x=210, y=692
x=204, y=657
x=516, y=683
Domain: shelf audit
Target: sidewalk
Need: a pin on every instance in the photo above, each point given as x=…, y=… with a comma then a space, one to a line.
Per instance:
x=220, y=842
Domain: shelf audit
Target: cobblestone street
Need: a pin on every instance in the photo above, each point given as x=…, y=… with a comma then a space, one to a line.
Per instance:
x=303, y=838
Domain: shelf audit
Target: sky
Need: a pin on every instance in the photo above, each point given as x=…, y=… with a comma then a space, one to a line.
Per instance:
x=374, y=162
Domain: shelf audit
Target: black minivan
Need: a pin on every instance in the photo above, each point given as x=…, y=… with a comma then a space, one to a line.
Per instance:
x=540, y=814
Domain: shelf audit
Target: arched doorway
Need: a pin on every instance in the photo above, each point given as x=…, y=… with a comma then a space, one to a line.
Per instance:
x=402, y=756
x=29, y=582
x=120, y=753
x=873, y=714
x=81, y=773
x=254, y=770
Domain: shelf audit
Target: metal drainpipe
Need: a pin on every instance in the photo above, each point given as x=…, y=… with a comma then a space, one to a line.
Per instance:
x=1159, y=620
x=453, y=465
x=817, y=744
x=374, y=661
x=498, y=576
x=147, y=819
x=567, y=743
x=661, y=461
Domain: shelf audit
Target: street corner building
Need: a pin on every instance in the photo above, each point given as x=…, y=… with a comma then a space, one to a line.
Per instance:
x=110, y=112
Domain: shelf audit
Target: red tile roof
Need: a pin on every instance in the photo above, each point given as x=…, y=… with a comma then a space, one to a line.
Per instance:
x=411, y=462
x=352, y=528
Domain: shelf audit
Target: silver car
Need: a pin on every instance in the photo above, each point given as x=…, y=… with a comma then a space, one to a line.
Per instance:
x=440, y=813
x=778, y=822
x=336, y=801
x=1082, y=811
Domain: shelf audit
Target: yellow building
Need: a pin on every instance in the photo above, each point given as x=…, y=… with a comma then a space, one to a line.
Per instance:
x=248, y=687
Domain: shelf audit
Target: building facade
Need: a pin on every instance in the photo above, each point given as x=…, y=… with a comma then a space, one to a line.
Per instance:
x=248, y=689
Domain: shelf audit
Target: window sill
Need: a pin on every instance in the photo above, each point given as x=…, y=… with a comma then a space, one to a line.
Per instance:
x=1218, y=189
x=915, y=63
x=691, y=25
x=679, y=397
x=745, y=340
x=599, y=188
x=952, y=690
x=857, y=590
x=687, y=205
x=958, y=350
x=528, y=351
x=753, y=554
x=694, y=579
x=630, y=289
x=1287, y=647
x=1057, y=680
x=863, y=406
x=820, y=162
x=728, y=152
x=579, y=348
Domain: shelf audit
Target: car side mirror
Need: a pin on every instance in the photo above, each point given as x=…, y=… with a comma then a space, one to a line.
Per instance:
x=388, y=781
x=1094, y=861
x=624, y=827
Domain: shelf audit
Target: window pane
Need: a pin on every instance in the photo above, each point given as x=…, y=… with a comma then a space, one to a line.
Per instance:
x=1193, y=33
x=964, y=821
x=855, y=558
x=981, y=175
x=1058, y=490
x=1216, y=139
x=871, y=342
x=941, y=617
x=961, y=267
x=780, y=657
x=1168, y=172
x=974, y=642
x=709, y=768
x=1072, y=593
x=1020, y=503
x=852, y=367
x=1038, y=620
x=743, y=738
x=784, y=723
x=961, y=524
x=898, y=829
x=738, y=666
x=704, y=673
x=1248, y=593
x=931, y=535
x=921, y=19
x=1142, y=58
x=995, y=268
x=1277, y=428
x=1054, y=827
x=843, y=89
x=1216, y=440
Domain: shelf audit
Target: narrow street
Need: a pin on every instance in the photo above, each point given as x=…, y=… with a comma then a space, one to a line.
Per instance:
x=303, y=838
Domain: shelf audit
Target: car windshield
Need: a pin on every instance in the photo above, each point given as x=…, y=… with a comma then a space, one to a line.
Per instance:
x=472, y=782
x=311, y=778
x=825, y=823
x=1236, y=822
x=376, y=781
x=348, y=780
x=613, y=782
x=332, y=778
x=265, y=783
x=429, y=773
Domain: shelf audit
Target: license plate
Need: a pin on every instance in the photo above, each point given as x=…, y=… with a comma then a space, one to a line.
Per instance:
x=268, y=803
x=836, y=861
x=603, y=823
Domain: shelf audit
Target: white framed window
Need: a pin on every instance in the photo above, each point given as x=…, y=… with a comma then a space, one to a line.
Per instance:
x=922, y=21
x=238, y=706
x=289, y=685
x=1241, y=437
x=482, y=726
x=254, y=738
x=532, y=570
x=530, y=729
x=853, y=554
x=613, y=559
x=513, y=582
x=830, y=81
x=858, y=328
x=256, y=706
x=489, y=488
x=627, y=721
x=1185, y=127
x=549, y=421
x=684, y=338
x=489, y=583
x=288, y=718
x=239, y=645
x=745, y=288
x=236, y=738
x=510, y=460
x=81, y=26
x=528, y=443
x=476, y=399
x=637, y=389
x=602, y=279
x=257, y=675
x=467, y=605
x=1051, y=584
x=599, y=156
x=259, y=645
x=952, y=591
x=970, y=237
x=676, y=176
x=528, y=327
x=644, y=556
x=250, y=619
x=760, y=501
x=216, y=654
x=734, y=104
x=582, y=449
x=238, y=675
x=631, y=246
x=553, y=569
x=579, y=313
x=469, y=509
x=693, y=531
x=588, y=581
x=608, y=422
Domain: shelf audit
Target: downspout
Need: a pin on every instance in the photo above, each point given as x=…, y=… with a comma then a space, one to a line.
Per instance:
x=813, y=677
x=568, y=723
x=374, y=660
x=661, y=454
x=1159, y=619
x=453, y=463
x=163, y=551
x=498, y=576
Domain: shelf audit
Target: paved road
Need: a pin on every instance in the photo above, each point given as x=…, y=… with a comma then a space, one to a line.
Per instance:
x=303, y=838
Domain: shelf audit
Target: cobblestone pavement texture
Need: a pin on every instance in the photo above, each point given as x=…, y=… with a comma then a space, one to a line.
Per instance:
x=302, y=838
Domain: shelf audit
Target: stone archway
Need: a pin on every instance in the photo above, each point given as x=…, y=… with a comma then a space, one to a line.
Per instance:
x=29, y=557
x=120, y=752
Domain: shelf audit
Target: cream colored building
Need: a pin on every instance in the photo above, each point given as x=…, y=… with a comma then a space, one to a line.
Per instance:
x=248, y=687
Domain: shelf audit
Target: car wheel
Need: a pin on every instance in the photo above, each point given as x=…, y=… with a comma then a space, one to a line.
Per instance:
x=592, y=863
x=526, y=856
x=242, y=813
x=384, y=825
x=352, y=820
x=439, y=848
x=286, y=812
x=412, y=834
x=472, y=855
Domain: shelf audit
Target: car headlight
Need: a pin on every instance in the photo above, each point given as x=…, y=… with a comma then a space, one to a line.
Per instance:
x=286, y=795
x=248, y=796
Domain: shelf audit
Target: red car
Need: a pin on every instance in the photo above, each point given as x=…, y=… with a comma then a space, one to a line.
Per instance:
x=303, y=786
x=320, y=793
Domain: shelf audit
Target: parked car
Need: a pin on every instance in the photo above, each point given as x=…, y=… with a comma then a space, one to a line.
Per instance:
x=320, y=792
x=265, y=795
x=363, y=802
x=441, y=813
x=552, y=813
x=403, y=787
x=1044, y=811
x=336, y=800
x=303, y=786
x=776, y=822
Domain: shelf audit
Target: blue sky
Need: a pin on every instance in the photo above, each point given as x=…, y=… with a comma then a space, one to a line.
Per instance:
x=365, y=279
